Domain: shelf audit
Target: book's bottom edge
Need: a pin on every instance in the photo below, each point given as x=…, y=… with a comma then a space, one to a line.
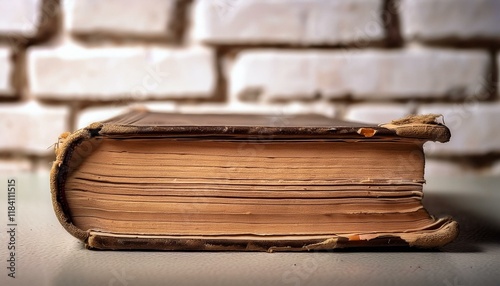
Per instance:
x=444, y=231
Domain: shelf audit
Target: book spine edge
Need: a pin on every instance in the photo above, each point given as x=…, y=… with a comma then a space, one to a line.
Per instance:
x=59, y=173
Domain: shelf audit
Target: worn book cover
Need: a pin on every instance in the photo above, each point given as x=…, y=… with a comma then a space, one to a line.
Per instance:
x=147, y=180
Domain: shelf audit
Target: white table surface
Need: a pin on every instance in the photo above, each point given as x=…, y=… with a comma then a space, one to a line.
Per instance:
x=48, y=255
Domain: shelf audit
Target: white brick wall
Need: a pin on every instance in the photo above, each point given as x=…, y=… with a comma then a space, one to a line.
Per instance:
x=5, y=71
x=376, y=113
x=459, y=19
x=367, y=74
x=31, y=128
x=287, y=21
x=474, y=128
x=142, y=18
x=73, y=72
x=19, y=17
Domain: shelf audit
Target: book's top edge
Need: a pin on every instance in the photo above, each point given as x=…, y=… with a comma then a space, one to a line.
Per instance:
x=148, y=118
x=147, y=123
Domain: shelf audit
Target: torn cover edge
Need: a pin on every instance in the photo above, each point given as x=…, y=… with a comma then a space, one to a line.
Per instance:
x=446, y=232
x=418, y=126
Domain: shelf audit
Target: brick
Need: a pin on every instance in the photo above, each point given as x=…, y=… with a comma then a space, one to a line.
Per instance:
x=308, y=22
x=6, y=68
x=31, y=128
x=376, y=113
x=138, y=73
x=94, y=114
x=473, y=125
x=15, y=166
x=20, y=17
x=272, y=75
x=127, y=17
x=450, y=19
x=321, y=108
x=413, y=73
x=366, y=74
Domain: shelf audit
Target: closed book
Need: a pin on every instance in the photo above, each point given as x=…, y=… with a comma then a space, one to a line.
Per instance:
x=160, y=181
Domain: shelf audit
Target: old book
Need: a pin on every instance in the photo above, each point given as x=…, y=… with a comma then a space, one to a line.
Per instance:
x=146, y=180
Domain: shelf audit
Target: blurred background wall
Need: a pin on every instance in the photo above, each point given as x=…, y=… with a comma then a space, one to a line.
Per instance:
x=65, y=64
